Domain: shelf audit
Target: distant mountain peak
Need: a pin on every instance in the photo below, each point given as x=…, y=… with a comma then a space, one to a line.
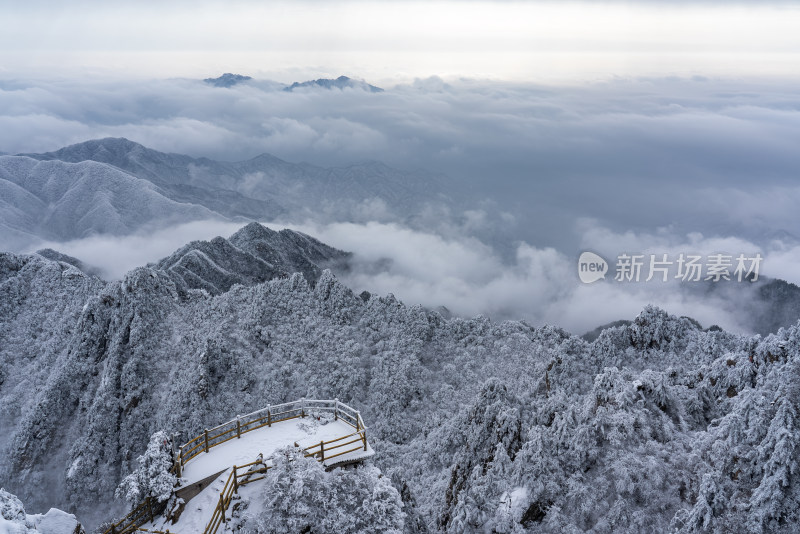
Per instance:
x=228, y=79
x=54, y=255
x=92, y=150
x=252, y=255
x=341, y=82
x=253, y=231
x=121, y=144
x=260, y=188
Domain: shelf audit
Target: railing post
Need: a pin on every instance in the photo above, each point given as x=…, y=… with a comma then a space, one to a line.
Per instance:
x=358, y=420
x=176, y=459
x=180, y=455
x=150, y=509
x=235, y=480
x=269, y=415
x=364, y=437
x=222, y=507
x=303, y=407
x=206, y=434
x=335, y=409
x=238, y=427
x=322, y=451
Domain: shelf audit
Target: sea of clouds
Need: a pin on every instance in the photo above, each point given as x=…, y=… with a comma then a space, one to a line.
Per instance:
x=636, y=165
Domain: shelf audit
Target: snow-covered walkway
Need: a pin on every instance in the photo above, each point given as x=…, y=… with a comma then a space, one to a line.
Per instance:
x=304, y=431
x=326, y=429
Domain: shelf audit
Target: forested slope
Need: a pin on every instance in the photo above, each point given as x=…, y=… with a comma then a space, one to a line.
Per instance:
x=654, y=426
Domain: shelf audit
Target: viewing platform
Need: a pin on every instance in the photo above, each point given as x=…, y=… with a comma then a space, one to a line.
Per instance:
x=214, y=465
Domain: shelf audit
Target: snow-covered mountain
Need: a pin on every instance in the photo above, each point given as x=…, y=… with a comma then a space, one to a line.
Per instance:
x=264, y=178
x=261, y=188
x=61, y=200
x=764, y=306
x=228, y=80
x=54, y=255
x=182, y=178
x=252, y=255
x=342, y=82
x=655, y=426
x=774, y=304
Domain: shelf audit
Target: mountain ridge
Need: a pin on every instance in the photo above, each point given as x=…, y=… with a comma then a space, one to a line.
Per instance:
x=57, y=200
x=253, y=255
x=342, y=82
x=88, y=371
x=228, y=79
x=263, y=187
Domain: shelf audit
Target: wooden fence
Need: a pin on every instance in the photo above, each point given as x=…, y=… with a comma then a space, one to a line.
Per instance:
x=146, y=511
x=234, y=429
x=236, y=479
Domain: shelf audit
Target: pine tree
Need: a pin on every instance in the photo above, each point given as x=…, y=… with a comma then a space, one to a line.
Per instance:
x=153, y=477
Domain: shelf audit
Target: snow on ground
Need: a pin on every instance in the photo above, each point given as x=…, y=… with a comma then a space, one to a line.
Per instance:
x=265, y=441
x=358, y=454
x=13, y=520
x=198, y=511
x=55, y=522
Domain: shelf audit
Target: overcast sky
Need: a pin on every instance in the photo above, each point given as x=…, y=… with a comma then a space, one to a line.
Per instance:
x=387, y=41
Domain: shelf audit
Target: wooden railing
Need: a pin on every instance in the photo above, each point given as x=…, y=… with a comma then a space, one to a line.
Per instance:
x=234, y=429
x=236, y=479
x=146, y=511
x=324, y=450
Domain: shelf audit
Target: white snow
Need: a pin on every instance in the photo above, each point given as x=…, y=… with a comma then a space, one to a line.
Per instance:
x=198, y=511
x=75, y=465
x=512, y=505
x=266, y=440
x=55, y=521
x=7, y=527
x=518, y=497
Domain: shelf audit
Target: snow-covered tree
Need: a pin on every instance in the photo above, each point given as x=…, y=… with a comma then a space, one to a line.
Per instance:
x=153, y=477
x=14, y=520
x=300, y=496
x=655, y=426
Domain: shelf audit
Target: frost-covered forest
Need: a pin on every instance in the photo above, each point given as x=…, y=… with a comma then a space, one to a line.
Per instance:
x=479, y=426
x=14, y=520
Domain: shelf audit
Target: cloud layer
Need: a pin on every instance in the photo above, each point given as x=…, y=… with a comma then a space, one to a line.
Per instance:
x=539, y=284
x=695, y=154
x=630, y=164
